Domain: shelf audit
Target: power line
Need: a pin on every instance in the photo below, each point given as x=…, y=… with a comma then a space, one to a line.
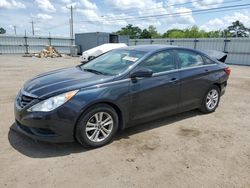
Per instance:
x=199, y=13
x=214, y=11
x=177, y=4
x=161, y=16
x=168, y=14
x=56, y=26
x=171, y=5
x=162, y=11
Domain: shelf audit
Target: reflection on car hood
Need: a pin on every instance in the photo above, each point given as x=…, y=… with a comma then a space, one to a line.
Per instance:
x=63, y=80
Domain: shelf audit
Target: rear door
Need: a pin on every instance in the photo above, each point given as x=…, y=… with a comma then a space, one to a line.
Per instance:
x=195, y=77
x=157, y=94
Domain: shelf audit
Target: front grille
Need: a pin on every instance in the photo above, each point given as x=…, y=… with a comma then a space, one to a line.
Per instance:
x=24, y=100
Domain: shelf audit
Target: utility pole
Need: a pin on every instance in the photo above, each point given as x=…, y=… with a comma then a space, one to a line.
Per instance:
x=71, y=29
x=14, y=29
x=32, y=25
x=71, y=23
x=71, y=19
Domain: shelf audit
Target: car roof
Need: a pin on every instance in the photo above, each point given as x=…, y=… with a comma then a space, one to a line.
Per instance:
x=150, y=48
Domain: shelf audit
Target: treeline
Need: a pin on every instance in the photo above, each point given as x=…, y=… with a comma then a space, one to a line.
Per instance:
x=237, y=29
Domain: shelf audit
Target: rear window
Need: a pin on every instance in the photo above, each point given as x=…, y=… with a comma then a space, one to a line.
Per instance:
x=207, y=61
x=189, y=59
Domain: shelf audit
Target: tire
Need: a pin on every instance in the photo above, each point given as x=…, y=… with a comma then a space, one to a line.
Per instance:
x=207, y=107
x=92, y=130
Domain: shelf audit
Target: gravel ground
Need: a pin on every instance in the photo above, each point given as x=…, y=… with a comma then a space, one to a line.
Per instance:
x=185, y=150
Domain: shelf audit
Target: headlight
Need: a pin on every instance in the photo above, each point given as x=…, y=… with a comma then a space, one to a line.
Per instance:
x=53, y=102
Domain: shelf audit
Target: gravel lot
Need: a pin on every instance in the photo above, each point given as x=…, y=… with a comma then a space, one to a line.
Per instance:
x=185, y=150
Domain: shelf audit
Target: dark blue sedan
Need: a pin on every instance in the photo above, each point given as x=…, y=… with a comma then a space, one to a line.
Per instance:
x=121, y=88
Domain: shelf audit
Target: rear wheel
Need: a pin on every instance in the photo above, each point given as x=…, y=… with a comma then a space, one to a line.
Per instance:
x=97, y=126
x=211, y=100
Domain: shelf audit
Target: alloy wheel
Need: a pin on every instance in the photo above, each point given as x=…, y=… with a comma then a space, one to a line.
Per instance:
x=99, y=126
x=212, y=99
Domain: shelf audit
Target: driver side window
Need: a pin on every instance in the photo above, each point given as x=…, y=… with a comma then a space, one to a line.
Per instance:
x=160, y=62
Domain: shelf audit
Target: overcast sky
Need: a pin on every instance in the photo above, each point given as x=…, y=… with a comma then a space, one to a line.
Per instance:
x=110, y=15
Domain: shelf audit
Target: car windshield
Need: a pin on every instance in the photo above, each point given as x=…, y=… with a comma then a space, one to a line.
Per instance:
x=113, y=62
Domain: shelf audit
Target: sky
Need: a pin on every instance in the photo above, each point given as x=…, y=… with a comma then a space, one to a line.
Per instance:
x=52, y=16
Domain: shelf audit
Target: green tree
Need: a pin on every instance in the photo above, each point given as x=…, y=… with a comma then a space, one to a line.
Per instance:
x=153, y=32
x=174, y=33
x=237, y=29
x=215, y=34
x=226, y=33
x=2, y=30
x=133, y=31
x=145, y=34
x=193, y=32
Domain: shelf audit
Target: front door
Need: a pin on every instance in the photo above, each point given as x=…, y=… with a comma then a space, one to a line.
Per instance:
x=158, y=94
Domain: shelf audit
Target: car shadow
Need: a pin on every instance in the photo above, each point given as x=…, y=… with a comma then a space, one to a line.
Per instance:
x=37, y=149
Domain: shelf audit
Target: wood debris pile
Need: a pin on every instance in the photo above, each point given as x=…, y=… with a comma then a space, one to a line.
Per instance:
x=49, y=51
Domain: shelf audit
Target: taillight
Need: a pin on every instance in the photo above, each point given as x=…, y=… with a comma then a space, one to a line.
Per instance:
x=228, y=71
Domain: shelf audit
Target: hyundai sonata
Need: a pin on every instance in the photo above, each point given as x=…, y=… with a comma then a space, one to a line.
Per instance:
x=121, y=88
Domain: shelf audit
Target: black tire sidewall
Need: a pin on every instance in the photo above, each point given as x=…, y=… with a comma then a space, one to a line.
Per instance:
x=81, y=125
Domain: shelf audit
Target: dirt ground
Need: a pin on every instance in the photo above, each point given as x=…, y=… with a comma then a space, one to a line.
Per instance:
x=185, y=150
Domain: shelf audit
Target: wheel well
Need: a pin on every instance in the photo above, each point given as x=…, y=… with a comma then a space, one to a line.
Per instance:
x=116, y=108
x=118, y=111
x=218, y=85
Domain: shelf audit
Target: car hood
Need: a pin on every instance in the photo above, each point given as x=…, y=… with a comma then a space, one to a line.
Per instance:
x=62, y=80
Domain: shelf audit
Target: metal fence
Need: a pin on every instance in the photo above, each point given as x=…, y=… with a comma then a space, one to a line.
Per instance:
x=238, y=49
x=12, y=44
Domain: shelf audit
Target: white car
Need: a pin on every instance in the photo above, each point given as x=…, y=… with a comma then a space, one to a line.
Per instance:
x=96, y=51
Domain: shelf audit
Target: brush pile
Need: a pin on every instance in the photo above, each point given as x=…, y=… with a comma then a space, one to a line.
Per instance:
x=49, y=51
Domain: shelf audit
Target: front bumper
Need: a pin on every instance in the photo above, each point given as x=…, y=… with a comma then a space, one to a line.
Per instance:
x=56, y=126
x=40, y=134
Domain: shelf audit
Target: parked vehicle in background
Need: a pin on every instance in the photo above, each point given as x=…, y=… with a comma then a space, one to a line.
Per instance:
x=96, y=51
x=121, y=88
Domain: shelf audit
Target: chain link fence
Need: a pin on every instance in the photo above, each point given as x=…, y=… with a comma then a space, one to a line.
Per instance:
x=238, y=49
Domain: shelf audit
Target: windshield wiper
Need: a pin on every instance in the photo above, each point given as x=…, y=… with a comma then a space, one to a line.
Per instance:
x=95, y=71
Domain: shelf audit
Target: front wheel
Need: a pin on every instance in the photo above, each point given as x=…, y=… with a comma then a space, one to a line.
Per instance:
x=97, y=126
x=211, y=100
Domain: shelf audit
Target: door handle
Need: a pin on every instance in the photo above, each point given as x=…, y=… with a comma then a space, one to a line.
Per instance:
x=206, y=70
x=173, y=80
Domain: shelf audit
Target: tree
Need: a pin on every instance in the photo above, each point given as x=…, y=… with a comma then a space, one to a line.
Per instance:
x=133, y=31
x=226, y=33
x=2, y=30
x=145, y=34
x=237, y=29
x=214, y=34
x=194, y=32
x=153, y=32
x=174, y=33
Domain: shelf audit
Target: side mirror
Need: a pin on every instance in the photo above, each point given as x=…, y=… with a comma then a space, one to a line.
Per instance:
x=141, y=72
x=85, y=60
